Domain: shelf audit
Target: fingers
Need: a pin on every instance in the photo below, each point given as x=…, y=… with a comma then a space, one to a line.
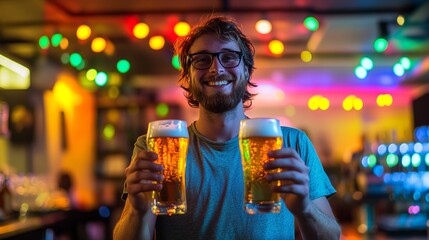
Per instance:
x=297, y=189
x=290, y=170
x=289, y=181
x=144, y=161
x=143, y=187
x=284, y=152
x=289, y=176
x=287, y=159
x=143, y=174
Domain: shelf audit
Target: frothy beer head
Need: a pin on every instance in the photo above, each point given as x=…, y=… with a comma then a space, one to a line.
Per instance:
x=260, y=127
x=168, y=128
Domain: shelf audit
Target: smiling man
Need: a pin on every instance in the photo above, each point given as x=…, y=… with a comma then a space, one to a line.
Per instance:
x=217, y=62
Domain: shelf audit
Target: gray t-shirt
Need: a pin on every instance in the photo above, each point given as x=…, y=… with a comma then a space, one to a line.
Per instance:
x=215, y=190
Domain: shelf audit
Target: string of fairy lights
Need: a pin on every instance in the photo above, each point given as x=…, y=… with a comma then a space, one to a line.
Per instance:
x=92, y=78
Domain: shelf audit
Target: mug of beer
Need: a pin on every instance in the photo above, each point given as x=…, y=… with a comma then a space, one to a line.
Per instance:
x=257, y=137
x=169, y=139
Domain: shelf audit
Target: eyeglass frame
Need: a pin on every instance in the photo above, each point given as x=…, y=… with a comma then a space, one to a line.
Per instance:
x=217, y=54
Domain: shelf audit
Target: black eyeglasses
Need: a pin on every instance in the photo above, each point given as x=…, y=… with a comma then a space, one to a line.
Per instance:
x=202, y=61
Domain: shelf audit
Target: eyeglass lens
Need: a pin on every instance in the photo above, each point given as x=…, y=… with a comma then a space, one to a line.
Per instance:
x=205, y=60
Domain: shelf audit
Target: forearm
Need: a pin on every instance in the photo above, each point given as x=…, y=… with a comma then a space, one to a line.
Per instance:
x=316, y=225
x=133, y=225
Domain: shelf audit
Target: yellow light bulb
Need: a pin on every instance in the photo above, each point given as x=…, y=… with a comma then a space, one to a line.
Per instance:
x=98, y=44
x=276, y=47
x=182, y=29
x=141, y=30
x=83, y=32
x=156, y=42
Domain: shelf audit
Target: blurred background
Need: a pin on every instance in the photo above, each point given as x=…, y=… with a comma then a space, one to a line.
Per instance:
x=79, y=81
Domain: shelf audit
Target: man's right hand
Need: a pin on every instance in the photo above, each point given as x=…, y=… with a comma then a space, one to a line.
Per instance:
x=143, y=176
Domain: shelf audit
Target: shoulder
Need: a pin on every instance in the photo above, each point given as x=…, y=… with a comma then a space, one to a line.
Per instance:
x=297, y=139
x=291, y=132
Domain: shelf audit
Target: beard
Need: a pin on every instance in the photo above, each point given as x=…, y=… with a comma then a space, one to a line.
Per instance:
x=220, y=102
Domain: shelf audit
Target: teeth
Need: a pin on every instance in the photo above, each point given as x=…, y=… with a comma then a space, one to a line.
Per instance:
x=219, y=83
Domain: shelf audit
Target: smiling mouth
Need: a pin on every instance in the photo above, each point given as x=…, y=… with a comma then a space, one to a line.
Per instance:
x=217, y=83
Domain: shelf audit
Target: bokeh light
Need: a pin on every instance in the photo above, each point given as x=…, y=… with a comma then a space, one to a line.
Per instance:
x=384, y=100
x=101, y=79
x=311, y=23
x=276, y=47
x=380, y=44
x=91, y=74
x=123, y=66
x=75, y=59
x=175, y=61
x=263, y=26
x=306, y=56
x=182, y=29
x=56, y=39
x=157, y=42
x=400, y=20
x=367, y=63
x=360, y=72
x=98, y=44
x=83, y=32
x=162, y=110
x=44, y=42
x=141, y=30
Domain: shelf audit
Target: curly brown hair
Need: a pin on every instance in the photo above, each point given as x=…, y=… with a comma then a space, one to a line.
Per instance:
x=225, y=29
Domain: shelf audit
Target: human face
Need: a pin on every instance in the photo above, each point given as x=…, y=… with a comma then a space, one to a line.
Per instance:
x=217, y=89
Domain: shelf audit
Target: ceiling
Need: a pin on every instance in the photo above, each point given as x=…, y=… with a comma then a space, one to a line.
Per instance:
x=347, y=31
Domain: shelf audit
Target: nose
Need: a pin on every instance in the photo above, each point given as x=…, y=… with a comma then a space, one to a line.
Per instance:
x=216, y=66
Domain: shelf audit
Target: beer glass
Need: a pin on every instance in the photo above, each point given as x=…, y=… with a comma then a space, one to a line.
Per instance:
x=169, y=139
x=257, y=137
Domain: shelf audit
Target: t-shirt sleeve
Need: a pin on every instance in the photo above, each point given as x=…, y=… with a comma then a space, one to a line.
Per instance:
x=139, y=145
x=320, y=184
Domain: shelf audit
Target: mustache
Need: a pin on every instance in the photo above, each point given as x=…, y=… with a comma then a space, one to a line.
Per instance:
x=222, y=77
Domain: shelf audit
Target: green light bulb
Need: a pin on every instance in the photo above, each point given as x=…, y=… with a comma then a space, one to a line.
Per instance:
x=398, y=69
x=367, y=63
x=56, y=39
x=405, y=62
x=123, y=66
x=175, y=62
x=311, y=23
x=75, y=59
x=44, y=42
x=162, y=110
x=380, y=45
x=361, y=72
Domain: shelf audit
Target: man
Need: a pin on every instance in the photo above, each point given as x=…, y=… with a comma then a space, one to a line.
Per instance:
x=217, y=62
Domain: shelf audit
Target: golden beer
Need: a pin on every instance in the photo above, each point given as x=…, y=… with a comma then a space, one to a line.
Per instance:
x=258, y=194
x=171, y=152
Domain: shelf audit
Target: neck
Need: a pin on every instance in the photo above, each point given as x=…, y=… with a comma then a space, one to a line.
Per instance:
x=220, y=127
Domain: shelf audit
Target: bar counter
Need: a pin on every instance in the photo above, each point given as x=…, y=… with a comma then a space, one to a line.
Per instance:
x=49, y=225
